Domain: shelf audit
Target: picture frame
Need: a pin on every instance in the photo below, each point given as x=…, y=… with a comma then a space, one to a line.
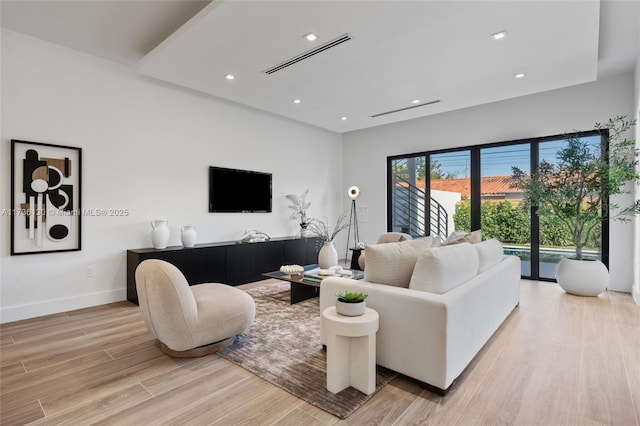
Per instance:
x=46, y=212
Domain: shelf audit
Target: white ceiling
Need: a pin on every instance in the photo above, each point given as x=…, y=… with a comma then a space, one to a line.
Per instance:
x=399, y=51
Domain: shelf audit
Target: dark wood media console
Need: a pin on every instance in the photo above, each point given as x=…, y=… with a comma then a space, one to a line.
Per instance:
x=230, y=263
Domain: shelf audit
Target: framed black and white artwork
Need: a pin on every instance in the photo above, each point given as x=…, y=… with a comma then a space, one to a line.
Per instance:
x=45, y=197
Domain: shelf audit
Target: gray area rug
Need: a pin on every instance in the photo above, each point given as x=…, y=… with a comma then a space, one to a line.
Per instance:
x=283, y=347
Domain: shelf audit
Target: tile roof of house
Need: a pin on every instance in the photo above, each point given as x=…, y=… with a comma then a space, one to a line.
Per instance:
x=490, y=185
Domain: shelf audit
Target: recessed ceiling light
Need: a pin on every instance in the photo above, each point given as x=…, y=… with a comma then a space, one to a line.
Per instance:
x=229, y=76
x=415, y=101
x=519, y=75
x=499, y=36
x=296, y=101
x=343, y=118
x=310, y=36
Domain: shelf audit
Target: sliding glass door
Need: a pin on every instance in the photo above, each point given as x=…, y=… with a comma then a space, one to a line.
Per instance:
x=439, y=192
x=501, y=214
x=555, y=241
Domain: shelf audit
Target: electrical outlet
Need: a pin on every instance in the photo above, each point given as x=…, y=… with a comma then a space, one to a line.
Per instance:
x=89, y=272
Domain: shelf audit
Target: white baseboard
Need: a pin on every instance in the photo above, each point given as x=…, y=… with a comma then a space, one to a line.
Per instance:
x=48, y=307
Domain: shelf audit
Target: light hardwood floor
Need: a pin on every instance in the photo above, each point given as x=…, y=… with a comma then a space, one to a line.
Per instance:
x=557, y=360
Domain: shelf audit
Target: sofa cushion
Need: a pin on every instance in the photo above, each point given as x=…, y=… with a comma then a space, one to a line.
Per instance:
x=392, y=263
x=490, y=252
x=441, y=269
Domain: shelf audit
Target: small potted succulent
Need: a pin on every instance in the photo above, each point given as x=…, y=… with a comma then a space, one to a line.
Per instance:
x=351, y=304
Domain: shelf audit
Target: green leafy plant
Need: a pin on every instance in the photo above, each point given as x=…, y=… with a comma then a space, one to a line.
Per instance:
x=351, y=297
x=320, y=228
x=578, y=188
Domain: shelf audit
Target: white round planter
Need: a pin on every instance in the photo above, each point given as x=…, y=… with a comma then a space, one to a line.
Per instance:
x=351, y=309
x=582, y=277
x=328, y=255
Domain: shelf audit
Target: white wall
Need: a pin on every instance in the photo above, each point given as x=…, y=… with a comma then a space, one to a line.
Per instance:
x=146, y=148
x=543, y=114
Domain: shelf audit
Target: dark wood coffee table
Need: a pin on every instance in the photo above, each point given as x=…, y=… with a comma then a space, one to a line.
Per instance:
x=308, y=286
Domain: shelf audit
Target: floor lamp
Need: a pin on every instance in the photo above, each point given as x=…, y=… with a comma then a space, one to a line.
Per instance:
x=353, y=193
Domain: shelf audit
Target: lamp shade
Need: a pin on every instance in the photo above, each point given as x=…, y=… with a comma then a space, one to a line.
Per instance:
x=353, y=192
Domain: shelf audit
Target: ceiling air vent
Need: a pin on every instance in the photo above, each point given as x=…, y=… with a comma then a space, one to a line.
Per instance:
x=404, y=109
x=308, y=54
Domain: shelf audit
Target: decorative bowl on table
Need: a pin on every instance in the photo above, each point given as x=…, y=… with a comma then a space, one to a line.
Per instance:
x=295, y=271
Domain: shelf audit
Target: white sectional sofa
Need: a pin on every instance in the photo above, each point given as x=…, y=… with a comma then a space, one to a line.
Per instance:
x=433, y=325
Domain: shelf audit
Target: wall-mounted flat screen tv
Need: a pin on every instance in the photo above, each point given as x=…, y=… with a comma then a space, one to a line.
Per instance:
x=239, y=191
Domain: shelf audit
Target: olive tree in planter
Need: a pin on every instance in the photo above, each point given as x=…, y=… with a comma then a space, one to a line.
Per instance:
x=577, y=190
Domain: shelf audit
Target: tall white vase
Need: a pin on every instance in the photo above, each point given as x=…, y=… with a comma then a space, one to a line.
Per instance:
x=159, y=233
x=188, y=236
x=328, y=255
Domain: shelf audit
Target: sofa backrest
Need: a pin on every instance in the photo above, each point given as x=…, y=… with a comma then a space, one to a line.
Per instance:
x=393, y=237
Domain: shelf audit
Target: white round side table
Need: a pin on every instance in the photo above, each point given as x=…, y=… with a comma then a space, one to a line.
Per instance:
x=351, y=350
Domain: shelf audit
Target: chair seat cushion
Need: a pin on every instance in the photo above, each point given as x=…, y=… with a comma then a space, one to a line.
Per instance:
x=223, y=312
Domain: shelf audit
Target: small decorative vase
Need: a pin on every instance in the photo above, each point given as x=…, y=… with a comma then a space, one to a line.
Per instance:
x=188, y=235
x=160, y=233
x=350, y=309
x=328, y=255
x=304, y=233
x=582, y=277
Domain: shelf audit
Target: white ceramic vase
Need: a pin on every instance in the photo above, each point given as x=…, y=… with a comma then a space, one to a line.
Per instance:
x=350, y=309
x=582, y=277
x=304, y=233
x=159, y=233
x=188, y=235
x=328, y=255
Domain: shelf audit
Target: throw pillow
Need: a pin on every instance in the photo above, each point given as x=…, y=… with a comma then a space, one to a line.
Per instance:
x=458, y=237
x=441, y=269
x=490, y=252
x=392, y=263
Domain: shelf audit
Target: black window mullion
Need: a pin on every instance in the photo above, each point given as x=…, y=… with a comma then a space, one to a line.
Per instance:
x=604, y=239
x=427, y=195
x=476, y=190
x=535, y=220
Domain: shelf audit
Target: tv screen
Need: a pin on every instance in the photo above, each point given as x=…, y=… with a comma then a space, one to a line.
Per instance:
x=239, y=191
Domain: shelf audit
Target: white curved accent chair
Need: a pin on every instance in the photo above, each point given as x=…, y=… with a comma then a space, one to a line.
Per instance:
x=188, y=320
x=387, y=237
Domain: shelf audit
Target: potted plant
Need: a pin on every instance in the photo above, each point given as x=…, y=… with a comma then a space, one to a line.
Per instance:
x=328, y=255
x=577, y=192
x=299, y=205
x=350, y=303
